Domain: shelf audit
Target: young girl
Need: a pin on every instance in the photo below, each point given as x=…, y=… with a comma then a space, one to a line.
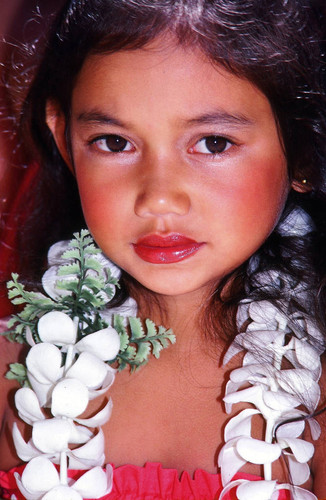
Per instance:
x=195, y=132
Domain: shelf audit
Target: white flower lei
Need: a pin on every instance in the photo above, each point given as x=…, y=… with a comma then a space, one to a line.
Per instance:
x=72, y=340
x=66, y=388
x=275, y=392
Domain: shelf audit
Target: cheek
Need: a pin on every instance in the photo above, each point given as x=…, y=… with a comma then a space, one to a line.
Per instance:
x=101, y=203
x=253, y=199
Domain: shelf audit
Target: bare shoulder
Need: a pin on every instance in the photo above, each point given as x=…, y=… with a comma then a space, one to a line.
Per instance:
x=9, y=353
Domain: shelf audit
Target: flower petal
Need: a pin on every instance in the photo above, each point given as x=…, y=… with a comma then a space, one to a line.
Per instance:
x=258, y=452
x=44, y=362
x=95, y=483
x=89, y=369
x=99, y=419
x=42, y=391
x=69, y=398
x=91, y=454
x=55, y=252
x=107, y=382
x=290, y=429
x=28, y=495
x=299, y=472
x=256, y=489
x=306, y=354
x=25, y=451
x=298, y=493
x=62, y=493
x=105, y=344
x=28, y=406
x=58, y=328
x=128, y=308
x=230, y=486
x=302, y=450
x=51, y=435
x=264, y=312
x=39, y=476
x=240, y=425
x=250, y=395
x=229, y=461
x=280, y=401
x=79, y=434
x=29, y=336
x=299, y=381
x=314, y=428
x=232, y=351
x=49, y=280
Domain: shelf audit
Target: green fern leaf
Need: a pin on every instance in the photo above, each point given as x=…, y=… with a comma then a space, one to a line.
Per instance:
x=164, y=341
x=71, y=254
x=70, y=286
x=137, y=331
x=143, y=352
x=17, y=301
x=91, y=299
x=157, y=347
x=151, y=328
x=92, y=249
x=118, y=323
x=130, y=352
x=121, y=329
x=94, y=283
x=85, y=238
x=17, y=372
x=93, y=264
x=68, y=269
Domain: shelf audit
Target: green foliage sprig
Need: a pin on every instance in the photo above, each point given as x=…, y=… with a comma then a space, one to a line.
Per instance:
x=83, y=288
x=137, y=344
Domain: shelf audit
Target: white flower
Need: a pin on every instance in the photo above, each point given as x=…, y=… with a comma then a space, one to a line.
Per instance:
x=85, y=359
x=58, y=328
x=55, y=260
x=264, y=490
x=275, y=392
x=50, y=436
x=40, y=480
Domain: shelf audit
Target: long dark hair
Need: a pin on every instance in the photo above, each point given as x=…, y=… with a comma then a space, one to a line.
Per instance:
x=275, y=44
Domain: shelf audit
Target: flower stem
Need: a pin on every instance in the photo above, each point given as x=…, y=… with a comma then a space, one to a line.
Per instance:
x=63, y=468
x=268, y=439
x=69, y=358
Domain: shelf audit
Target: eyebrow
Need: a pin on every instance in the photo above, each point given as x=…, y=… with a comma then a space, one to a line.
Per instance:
x=215, y=117
x=220, y=117
x=98, y=117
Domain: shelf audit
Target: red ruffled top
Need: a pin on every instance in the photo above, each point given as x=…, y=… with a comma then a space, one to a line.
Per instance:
x=150, y=482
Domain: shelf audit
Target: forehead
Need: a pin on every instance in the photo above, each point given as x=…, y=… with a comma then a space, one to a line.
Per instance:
x=166, y=77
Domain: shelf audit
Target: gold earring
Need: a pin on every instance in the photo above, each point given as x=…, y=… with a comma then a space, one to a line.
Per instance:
x=304, y=181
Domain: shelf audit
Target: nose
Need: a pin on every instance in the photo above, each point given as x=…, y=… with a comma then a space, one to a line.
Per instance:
x=161, y=192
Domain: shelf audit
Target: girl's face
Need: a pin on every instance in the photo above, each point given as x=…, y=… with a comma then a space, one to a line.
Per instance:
x=179, y=164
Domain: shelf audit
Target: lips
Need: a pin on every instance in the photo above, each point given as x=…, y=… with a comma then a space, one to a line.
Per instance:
x=158, y=249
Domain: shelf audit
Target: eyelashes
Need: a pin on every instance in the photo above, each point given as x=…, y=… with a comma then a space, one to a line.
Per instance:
x=112, y=143
x=209, y=145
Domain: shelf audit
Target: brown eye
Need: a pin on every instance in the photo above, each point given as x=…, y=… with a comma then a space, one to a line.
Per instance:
x=212, y=144
x=113, y=144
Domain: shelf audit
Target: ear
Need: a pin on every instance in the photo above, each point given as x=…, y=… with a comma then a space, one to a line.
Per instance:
x=301, y=186
x=56, y=122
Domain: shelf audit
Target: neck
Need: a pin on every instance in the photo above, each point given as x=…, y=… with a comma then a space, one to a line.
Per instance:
x=184, y=314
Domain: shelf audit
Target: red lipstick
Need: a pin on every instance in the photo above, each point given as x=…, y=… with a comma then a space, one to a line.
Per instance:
x=158, y=249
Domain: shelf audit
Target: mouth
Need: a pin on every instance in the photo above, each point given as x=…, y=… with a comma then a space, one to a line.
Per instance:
x=158, y=249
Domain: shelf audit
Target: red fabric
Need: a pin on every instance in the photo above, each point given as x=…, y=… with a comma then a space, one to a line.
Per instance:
x=18, y=213
x=151, y=482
